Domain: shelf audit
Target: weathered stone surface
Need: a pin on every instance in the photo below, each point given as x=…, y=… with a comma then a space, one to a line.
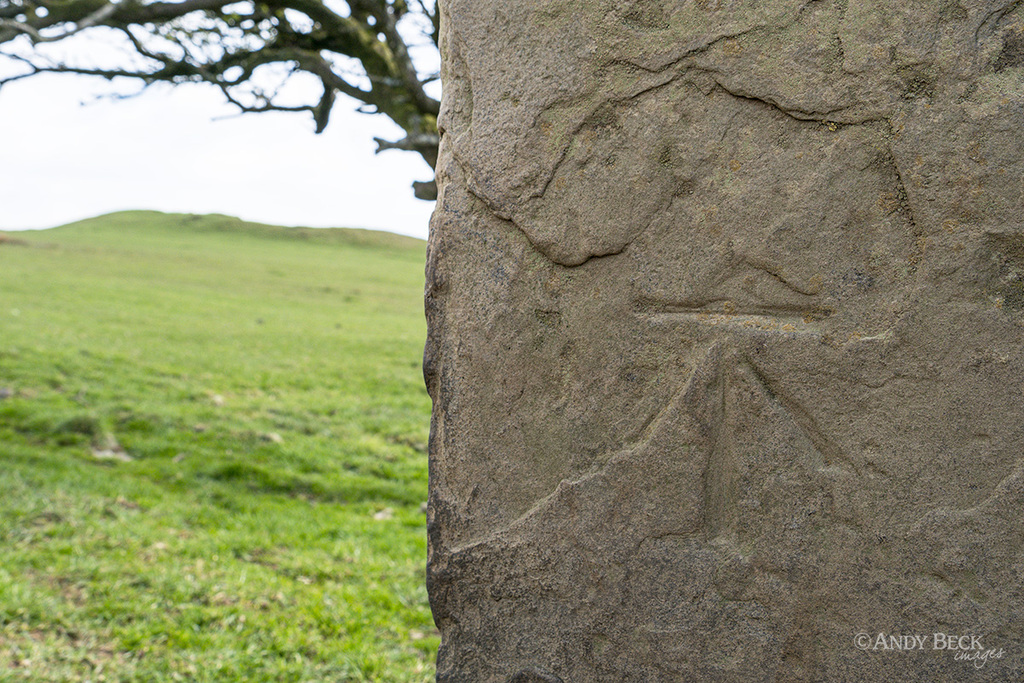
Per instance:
x=726, y=305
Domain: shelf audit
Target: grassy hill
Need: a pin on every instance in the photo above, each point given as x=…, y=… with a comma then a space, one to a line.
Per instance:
x=212, y=453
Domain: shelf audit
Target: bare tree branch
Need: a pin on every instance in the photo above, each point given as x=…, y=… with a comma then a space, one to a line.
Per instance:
x=424, y=143
x=408, y=70
x=426, y=191
x=15, y=27
x=354, y=48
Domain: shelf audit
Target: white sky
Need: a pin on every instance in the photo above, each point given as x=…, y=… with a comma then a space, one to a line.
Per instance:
x=61, y=161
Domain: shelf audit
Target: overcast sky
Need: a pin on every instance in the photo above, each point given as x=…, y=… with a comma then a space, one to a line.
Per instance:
x=62, y=161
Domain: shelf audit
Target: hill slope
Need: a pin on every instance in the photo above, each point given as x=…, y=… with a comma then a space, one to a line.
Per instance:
x=155, y=222
x=213, y=440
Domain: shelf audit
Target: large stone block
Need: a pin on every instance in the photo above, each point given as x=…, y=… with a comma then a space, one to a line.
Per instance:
x=726, y=306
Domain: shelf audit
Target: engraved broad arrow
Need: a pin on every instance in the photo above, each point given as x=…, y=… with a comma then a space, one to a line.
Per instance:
x=755, y=429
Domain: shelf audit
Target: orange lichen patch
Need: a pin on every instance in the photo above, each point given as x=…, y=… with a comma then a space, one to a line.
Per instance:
x=888, y=202
x=732, y=47
x=815, y=283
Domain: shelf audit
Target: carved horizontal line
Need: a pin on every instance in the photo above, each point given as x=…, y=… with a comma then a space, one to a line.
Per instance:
x=726, y=313
x=742, y=321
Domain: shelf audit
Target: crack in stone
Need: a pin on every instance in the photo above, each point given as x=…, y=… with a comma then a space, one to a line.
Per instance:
x=699, y=50
x=793, y=113
x=539, y=194
x=998, y=15
x=776, y=273
x=475, y=194
x=675, y=63
x=506, y=214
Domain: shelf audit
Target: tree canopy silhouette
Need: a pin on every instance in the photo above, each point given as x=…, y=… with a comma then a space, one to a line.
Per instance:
x=252, y=51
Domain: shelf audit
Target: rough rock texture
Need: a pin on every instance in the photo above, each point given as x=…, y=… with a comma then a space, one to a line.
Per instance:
x=726, y=305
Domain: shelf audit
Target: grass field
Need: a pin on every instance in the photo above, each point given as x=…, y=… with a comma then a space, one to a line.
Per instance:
x=212, y=453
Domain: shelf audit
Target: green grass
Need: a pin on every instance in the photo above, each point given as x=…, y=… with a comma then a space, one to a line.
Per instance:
x=212, y=453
